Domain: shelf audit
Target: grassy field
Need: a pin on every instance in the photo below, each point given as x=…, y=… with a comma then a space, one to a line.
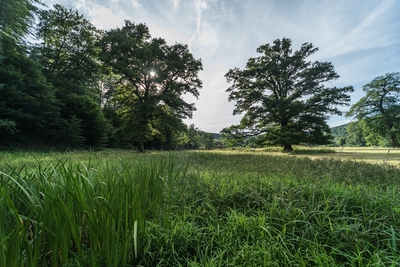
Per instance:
x=217, y=208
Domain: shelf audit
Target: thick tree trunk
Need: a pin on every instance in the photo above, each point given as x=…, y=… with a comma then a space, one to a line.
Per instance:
x=393, y=139
x=287, y=148
x=141, y=146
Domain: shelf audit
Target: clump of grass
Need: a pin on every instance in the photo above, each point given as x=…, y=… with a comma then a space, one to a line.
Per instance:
x=55, y=213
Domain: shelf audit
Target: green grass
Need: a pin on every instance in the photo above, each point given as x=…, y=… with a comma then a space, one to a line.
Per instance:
x=229, y=208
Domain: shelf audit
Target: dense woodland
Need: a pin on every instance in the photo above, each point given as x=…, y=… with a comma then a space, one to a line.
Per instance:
x=66, y=84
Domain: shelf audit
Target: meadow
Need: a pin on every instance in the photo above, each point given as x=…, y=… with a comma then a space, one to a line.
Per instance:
x=200, y=208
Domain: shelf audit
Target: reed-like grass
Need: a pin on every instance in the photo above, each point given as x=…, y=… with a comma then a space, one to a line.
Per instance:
x=198, y=209
x=55, y=213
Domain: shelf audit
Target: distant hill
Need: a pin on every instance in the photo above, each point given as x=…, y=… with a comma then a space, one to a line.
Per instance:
x=339, y=132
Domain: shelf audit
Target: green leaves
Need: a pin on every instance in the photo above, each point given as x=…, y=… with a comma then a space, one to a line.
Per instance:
x=16, y=17
x=284, y=96
x=152, y=77
x=380, y=107
x=26, y=98
x=68, y=52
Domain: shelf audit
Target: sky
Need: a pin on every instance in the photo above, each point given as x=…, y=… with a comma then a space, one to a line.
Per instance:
x=360, y=37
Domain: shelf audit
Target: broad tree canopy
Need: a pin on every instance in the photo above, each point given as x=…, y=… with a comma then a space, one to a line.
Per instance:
x=153, y=77
x=284, y=97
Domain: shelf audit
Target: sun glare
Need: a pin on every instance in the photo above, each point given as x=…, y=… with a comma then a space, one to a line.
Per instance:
x=152, y=73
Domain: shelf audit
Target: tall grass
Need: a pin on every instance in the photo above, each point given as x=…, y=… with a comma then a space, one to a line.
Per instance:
x=198, y=209
x=53, y=214
x=260, y=210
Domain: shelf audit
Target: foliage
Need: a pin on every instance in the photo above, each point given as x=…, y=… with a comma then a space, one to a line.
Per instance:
x=69, y=58
x=7, y=126
x=67, y=51
x=284, y=97
x=17, y=17
x=153, y=76
x=339, y=134
x=380, y=107
x=72, y=132
x=27, y=100
x=93, y=126
x=208, y=140
x=356, y=136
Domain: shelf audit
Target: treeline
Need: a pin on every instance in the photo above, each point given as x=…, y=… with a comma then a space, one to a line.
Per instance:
x=358, y=134
x=65, y=83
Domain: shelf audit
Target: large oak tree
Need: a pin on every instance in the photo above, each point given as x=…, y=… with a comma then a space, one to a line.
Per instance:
x=152, y=79
x=284, y=96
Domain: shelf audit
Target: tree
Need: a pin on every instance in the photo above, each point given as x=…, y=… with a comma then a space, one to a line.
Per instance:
x=284, y=96
x=380, y=107
x=68, y=54
x=356, y=134
x=207, y=140
x=153, y=76
x=194, y=137
x=16, y=18
x=28, y=106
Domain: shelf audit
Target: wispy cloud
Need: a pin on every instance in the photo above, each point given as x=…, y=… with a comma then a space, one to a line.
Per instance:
x=176, y=3
x=135, y=3
x=367, y=34
x=98, y=13
x=200, y=6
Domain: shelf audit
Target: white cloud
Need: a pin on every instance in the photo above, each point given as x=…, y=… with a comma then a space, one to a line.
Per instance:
x=176, y=3
x=135, y=3
x=105, y=18
x=200, y=6
x=208, y=38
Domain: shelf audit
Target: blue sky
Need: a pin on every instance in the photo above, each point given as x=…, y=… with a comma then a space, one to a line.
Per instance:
x=360, y=38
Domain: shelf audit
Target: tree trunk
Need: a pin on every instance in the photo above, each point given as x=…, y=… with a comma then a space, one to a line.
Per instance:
x=287, y=148
x=393, y=139
x=140, y=146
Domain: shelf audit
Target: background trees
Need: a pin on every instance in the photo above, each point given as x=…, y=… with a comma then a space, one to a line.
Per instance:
x=28, y=107
x=68, y=55
x=59, y=92
x=152, y=77
x=380, y=108
x=284, y=97
x=27, y=101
